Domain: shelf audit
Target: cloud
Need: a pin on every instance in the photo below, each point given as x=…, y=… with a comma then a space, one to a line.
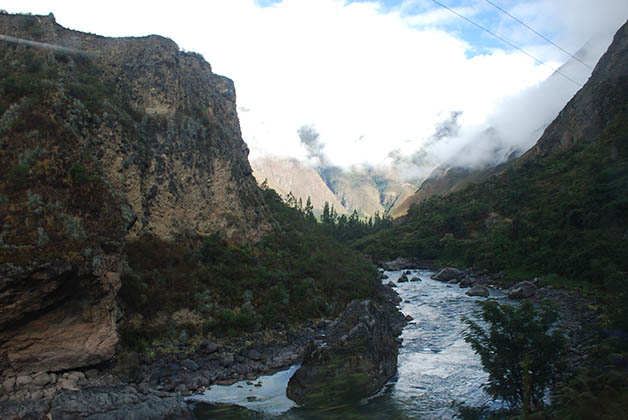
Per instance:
x=310, y=138
x=374, y=80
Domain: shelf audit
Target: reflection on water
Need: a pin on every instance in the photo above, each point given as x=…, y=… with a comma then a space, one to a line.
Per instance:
x=436, y=368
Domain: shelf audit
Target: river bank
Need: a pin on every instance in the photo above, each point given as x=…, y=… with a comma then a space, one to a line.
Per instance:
x=154, y=384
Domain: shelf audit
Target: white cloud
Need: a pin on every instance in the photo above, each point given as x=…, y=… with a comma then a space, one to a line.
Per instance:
x=370, y=79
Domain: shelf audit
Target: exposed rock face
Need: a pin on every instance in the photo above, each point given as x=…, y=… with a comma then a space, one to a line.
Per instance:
x=118, y=403
x=366, y=190
x=102, y=139
x=594, y=107
x=176, y=152
x=358, y=356
x=292, y=176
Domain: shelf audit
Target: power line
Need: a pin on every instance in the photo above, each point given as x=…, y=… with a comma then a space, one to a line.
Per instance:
x=539, y=34
x=508, y=43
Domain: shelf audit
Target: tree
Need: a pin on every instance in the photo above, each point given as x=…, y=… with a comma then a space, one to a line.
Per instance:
x=520, y=350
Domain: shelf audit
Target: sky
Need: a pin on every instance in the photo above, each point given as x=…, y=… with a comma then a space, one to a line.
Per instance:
x=374, y=80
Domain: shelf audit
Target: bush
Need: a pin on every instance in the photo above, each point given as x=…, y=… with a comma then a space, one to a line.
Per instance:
x=519, y=349
x=79, y=173
x=18, y=176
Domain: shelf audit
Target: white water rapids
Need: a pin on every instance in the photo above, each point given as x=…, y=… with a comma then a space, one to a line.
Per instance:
x=436, y=367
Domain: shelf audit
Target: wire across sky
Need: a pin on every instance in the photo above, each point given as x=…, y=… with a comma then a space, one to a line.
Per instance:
x=510, y=44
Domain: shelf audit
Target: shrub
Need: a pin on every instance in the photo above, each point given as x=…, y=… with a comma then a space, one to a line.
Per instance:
x=79, y=174
x=18, y=176
x=519, y=349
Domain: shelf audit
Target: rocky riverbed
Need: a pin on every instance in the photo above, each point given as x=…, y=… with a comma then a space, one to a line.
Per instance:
x=154, y=385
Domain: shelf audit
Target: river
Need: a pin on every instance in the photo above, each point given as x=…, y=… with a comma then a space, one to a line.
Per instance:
x=436, y=368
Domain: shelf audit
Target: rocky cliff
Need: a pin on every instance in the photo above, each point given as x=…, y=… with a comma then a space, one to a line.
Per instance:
x=103, y=139
x=593, y=109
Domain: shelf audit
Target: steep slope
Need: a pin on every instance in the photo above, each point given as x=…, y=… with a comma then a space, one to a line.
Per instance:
x=507, y=144
x=172, y=145
x=292, y=176
x=559, y=209
x=594, y=107
x=364, y=189
x=103, y=139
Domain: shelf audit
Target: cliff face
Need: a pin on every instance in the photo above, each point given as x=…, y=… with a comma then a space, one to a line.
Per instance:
x=172, y=146
x=100, y=140
x=594, y=107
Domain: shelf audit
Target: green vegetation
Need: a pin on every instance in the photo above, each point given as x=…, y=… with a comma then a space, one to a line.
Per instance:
x=295, y=273
x=517, y=349
x=18, y=176
x=561, y=216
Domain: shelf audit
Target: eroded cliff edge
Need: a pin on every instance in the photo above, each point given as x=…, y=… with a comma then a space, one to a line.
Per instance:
x=103, y=139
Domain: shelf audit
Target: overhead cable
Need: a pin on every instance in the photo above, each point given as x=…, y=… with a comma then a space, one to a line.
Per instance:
x=539, y=34
x=508, y=43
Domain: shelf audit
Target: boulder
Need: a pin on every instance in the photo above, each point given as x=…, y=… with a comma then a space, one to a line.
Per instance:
x=447, y=274
x=467, y=282
x=478, y=290
x=522, y=290
x=403, y=279
x=208, y=347
x=356, y=359
x=391, y=284
x=397, y=264
x=415, y=278
x=190, y=364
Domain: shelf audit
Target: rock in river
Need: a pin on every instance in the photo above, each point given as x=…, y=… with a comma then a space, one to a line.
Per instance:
x=522, y=290
x=478, y=290
x=447, y=274
x=357, y=358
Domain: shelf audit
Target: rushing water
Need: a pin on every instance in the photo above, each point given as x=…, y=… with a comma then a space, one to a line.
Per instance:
x=436, y=367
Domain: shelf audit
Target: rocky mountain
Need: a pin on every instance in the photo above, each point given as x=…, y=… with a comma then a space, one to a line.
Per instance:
x=594, y=108
x=445, y=179
x=558, y=210
x=507, y=145
x=292, y=176
x=101, y=140
x=364, y=189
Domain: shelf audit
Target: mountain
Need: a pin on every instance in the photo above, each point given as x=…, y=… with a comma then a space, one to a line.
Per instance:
x=101, y=140
x=559, y=209
x=558, y=213
x=505, y=143
x=292, y=176
x=366, y=190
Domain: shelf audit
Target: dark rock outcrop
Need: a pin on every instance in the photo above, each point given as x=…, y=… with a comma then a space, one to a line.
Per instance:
x=357, y=357
x=122, y=402
x=522, y=290
x=478, y=290
x=447, y=274
x=399, y=263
